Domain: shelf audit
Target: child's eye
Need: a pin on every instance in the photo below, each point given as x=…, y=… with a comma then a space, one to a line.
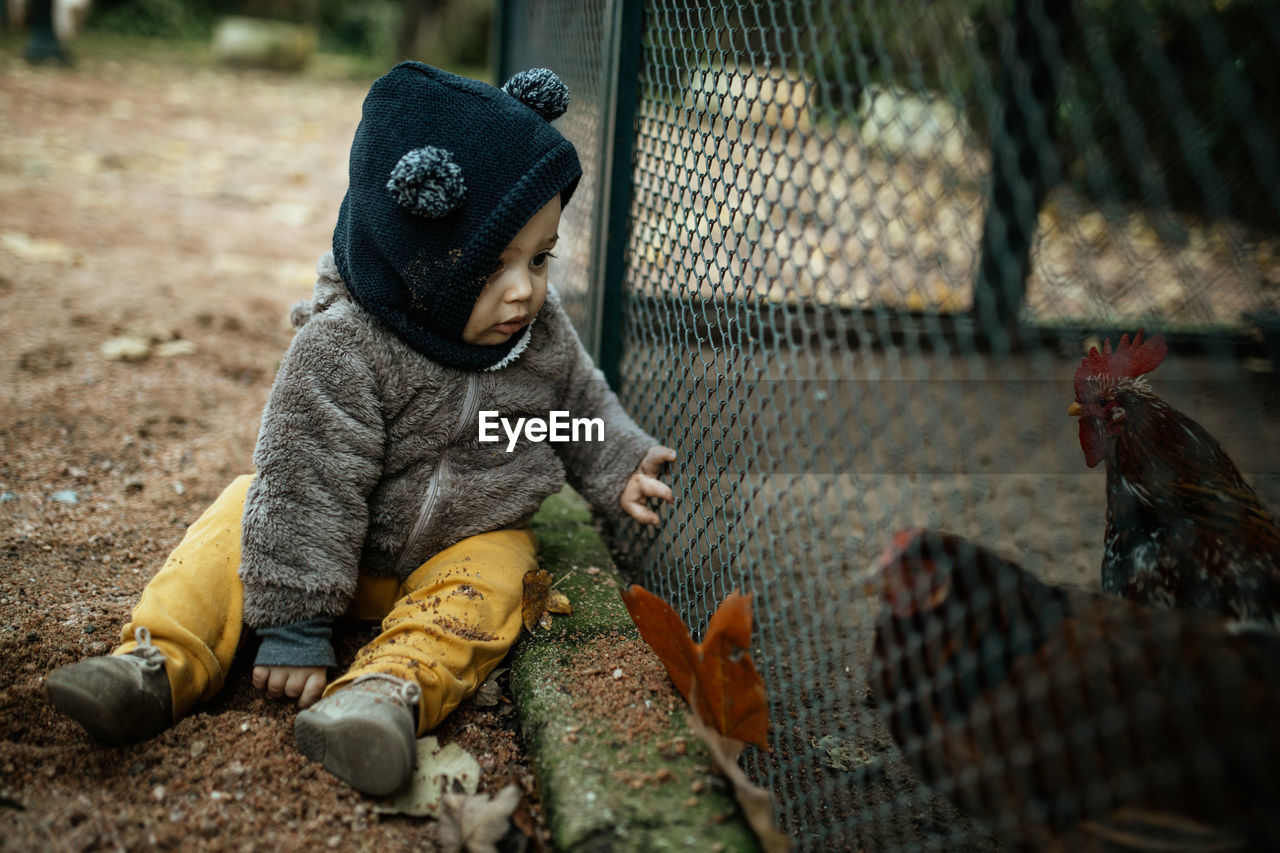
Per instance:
x=540, y=260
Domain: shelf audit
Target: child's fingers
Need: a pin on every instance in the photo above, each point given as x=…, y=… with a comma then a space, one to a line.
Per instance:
x=640, y=512
x=654, y=488
x=639, y=491
x=656, y=458
x=312, y=690
x=301, y=683
x=662, y=454
x=651, y=487
x=276, y=680
x=295, y=682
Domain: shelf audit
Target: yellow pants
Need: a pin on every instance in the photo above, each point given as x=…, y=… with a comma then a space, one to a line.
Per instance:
x=446, y=627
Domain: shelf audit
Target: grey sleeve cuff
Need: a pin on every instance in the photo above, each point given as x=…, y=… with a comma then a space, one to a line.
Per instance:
x=305, y=643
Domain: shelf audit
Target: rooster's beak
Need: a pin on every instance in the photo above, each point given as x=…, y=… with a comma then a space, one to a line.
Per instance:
x=1074, y=410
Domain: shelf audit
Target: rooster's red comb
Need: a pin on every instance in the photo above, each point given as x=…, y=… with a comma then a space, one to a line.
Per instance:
x=900, y=546
x=1129, y=359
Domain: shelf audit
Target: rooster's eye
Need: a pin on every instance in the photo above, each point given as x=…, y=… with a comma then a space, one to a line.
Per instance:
x=1117, y=413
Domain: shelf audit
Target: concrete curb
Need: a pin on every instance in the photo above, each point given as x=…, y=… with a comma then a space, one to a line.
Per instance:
x=590, y=805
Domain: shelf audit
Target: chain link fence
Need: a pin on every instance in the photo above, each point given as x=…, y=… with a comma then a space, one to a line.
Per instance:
x=845, y=258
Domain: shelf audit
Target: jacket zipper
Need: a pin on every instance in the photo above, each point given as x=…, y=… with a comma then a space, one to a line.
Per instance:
x=470, y=407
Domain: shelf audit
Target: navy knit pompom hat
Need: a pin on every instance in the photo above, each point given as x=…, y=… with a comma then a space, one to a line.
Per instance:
x=444, y=172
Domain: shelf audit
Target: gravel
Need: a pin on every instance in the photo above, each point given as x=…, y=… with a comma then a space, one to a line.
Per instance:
x=185, y=207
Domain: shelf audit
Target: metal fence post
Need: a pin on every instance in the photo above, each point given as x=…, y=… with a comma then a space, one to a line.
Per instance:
x=500, y=41
x=1024, y=163
x=617, y=145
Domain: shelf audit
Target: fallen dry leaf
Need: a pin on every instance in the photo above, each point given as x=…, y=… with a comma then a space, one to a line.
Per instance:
x=126, y=348
x=439, y=769
x=840, y=754
x=30, y=248
x=717, y=676
x=168, y=349
x=540, y=600
x=139, y=346
x=489, y=693
x=475, y=823
x=756, y=802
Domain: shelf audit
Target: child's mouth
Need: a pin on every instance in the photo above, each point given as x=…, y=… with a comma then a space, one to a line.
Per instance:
x=511, y=326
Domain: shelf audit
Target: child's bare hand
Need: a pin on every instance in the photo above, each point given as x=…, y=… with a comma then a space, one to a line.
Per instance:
x=304, y=683
x=644, y=484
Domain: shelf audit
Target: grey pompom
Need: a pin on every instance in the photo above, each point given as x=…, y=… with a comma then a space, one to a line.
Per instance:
x=300, y=312
x=540, y=90
x=427, y=182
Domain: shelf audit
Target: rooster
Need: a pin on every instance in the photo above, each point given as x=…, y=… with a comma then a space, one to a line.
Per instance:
x=1073, y=717
x=1184, y=529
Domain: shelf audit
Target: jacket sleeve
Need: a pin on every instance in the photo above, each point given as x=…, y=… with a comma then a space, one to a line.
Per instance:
x=305, y=643
x=598, y=469
x=318, y=457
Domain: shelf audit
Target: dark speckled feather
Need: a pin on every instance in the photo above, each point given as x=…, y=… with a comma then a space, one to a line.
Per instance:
x=1058, y=715
x=1184, y=529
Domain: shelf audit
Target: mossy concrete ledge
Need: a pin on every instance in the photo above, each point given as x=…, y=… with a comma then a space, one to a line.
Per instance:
x=586, y=776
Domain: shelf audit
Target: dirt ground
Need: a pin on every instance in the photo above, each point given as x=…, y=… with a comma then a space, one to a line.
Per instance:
x=172, y=213
x=181, y=209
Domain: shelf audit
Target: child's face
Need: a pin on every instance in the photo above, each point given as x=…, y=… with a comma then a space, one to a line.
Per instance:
x=515, y=291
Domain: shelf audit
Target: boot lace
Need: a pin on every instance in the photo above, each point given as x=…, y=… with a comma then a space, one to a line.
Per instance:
x=407, y=692
x=152, y=657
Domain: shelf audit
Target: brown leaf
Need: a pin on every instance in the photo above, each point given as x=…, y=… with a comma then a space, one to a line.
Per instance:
x=756, y=802
x=439, y=769
x=558, y=602
x=540, y=600
x=489, y=693
x=665, y=632
x=475, y=823
x=717, y=676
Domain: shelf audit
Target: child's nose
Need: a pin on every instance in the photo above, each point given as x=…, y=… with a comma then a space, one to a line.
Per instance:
x=518, y=287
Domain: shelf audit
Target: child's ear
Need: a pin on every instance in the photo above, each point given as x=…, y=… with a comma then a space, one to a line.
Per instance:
x=427, y=182
x=540, y=90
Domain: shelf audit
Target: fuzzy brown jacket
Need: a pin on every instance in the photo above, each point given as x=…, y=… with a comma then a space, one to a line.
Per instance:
x=369, y=459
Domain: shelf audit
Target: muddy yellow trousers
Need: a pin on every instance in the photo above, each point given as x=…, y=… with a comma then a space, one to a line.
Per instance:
x=446, y=627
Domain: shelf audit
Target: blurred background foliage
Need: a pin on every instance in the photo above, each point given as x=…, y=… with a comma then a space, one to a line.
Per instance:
x=1149, y=111
x=453, y=34
x=1151, y=108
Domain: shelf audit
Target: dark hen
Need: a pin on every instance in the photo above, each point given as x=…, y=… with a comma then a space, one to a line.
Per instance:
x=1065, y=716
